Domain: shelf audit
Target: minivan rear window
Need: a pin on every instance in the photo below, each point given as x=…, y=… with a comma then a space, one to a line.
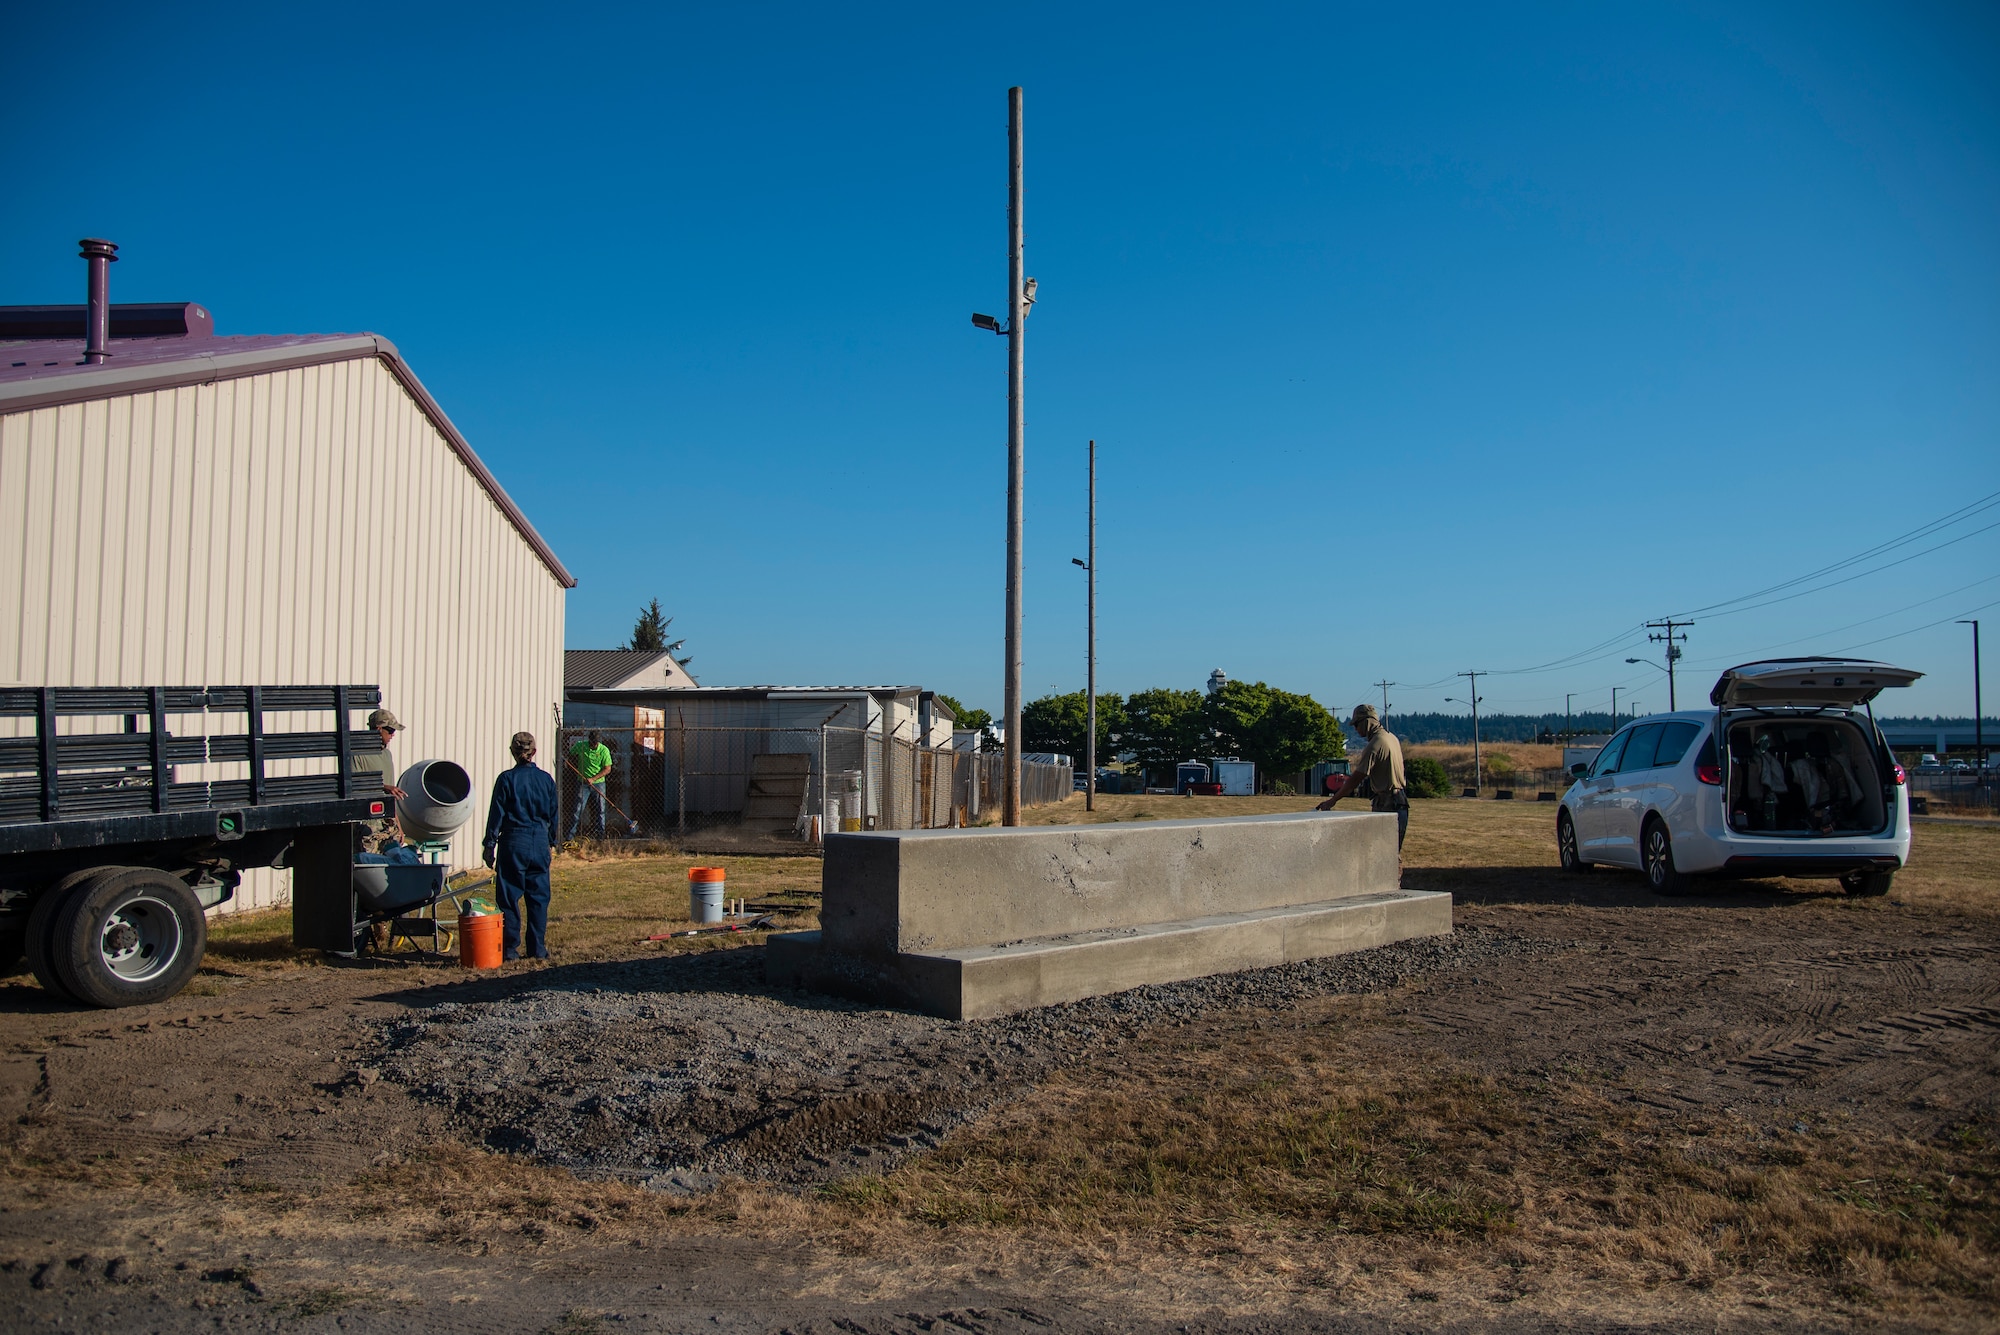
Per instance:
x=1674, y=743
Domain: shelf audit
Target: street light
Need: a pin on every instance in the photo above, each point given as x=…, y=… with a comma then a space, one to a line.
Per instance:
x=1978, y=709
x=1657, y=668
x=1090, y=640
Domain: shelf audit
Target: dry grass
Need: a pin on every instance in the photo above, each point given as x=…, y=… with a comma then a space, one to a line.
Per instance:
x=1307, y=1148
x=604, y=904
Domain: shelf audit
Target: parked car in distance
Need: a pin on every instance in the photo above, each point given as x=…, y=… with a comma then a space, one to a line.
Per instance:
x=1928, y=764
x=1787, y=775
x=1958, y=767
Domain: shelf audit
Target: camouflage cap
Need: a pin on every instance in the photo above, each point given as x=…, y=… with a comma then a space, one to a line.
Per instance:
x=382, y=718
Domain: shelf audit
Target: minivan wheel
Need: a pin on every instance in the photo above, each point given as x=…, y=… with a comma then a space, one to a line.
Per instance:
x=1659, y=851
x=1566, y=850
x=1868, y=883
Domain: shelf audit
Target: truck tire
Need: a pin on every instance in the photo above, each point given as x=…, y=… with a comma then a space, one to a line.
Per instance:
x=39, y=940
x=129, y=938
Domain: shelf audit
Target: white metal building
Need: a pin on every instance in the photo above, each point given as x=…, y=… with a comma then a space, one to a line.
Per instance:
x=203, y=510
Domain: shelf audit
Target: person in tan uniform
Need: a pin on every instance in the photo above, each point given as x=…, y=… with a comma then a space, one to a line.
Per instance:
x=371, y=836
x=1377, y=773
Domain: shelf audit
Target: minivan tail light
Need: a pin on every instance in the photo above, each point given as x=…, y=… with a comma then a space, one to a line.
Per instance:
x=1902, y=776
x=1709, y=774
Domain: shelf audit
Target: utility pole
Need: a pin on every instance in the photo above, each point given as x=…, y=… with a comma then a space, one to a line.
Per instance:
x=1090, y=669
x=1568, y=730
x=1614, y=709
x=1385, y=685
x=1017, y=336
x=1666, y=629
x=1978, y=708
x=1478, y=772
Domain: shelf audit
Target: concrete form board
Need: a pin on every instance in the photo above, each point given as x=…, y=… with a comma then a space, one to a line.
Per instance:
x=306, y=525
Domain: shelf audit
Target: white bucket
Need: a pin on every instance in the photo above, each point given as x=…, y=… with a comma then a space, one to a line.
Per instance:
x=705, y=900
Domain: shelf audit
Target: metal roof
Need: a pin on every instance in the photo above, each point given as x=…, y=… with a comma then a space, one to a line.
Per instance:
x=42, y=373
x=600, y=669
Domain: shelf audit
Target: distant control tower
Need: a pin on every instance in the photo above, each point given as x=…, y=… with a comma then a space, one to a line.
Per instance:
x=1217, y=680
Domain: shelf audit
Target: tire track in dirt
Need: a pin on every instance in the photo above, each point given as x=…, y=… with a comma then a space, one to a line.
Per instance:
x=1888, y=1035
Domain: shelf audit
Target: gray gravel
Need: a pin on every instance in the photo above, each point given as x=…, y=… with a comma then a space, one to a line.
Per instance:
x=673, y=1071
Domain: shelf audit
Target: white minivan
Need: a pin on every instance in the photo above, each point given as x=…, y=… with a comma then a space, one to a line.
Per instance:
x=1786, y=776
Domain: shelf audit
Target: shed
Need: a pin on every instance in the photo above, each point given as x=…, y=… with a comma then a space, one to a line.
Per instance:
x=623, y=670
x=197, y=509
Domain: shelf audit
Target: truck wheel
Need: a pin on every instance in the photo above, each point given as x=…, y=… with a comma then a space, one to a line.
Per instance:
x=1868, y=883
x=39, y=940
x=1658, y=848
x=128, y=938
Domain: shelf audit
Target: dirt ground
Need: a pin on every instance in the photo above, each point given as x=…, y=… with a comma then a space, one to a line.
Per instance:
x=1761, y=1106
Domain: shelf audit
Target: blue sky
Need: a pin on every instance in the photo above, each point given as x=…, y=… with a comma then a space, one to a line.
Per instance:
x=1412, y=342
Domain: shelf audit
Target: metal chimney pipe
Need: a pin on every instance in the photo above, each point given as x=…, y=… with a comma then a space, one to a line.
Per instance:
x=97, y=330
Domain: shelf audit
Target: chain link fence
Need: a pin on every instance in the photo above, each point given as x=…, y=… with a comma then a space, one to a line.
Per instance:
x=1946, y=792
x=744, y=787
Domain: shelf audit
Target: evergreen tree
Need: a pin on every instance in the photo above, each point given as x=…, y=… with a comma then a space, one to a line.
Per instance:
x=650, y=633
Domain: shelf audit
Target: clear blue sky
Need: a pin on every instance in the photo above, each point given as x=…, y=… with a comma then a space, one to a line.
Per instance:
x=1412, y=342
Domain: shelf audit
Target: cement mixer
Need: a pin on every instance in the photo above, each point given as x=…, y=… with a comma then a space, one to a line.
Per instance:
x=438, y=800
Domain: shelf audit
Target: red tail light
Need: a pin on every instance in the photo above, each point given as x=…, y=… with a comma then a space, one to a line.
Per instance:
x=375, y=808
x=1709, y=774
x=1901, y=777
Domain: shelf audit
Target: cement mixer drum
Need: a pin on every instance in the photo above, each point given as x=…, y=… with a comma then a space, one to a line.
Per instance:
x=438, y=800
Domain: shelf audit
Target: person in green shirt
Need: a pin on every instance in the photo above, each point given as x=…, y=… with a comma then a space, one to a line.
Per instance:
x=591, y=759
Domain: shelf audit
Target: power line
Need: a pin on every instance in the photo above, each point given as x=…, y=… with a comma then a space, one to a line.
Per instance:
x=1916, y=534
x=1876, y=570
x=1615, y=645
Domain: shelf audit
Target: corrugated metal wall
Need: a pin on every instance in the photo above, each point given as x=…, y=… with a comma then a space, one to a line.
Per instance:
x=305, y=526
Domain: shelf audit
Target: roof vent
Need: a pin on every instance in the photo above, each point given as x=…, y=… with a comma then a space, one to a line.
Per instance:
x=97, y=324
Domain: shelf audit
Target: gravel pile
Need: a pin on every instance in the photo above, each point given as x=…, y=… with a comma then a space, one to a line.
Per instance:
x=678, y=1069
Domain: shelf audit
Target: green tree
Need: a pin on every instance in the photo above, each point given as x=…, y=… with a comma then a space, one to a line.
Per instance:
x=1423, y=776
x=1281, y=731
x=1163, y=727
x=1060, y=722
x=964, y=717
x=649, y=633
x=967, y=719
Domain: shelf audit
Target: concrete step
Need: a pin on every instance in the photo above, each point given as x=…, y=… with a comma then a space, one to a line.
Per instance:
x=978, y=982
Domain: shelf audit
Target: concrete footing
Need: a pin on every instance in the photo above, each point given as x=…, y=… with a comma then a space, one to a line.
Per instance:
x=969, y=924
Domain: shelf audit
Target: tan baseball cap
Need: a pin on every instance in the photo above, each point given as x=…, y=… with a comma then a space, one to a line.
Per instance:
x=1362, y=712
x=382, y=718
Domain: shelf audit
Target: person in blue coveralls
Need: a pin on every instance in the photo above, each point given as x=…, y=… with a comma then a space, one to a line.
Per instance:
x=520, y=839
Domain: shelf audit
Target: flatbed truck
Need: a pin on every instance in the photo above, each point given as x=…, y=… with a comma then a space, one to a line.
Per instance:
x=109, y=859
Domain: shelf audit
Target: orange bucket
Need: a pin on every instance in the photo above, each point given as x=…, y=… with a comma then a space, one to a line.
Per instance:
x=479, y=940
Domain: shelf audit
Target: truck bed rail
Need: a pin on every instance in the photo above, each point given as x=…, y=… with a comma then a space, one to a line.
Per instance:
x=57, y=778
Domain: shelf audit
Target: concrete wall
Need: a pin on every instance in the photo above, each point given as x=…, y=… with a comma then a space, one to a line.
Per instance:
x=309, y=526
x=923, y=890
x=974, y=923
